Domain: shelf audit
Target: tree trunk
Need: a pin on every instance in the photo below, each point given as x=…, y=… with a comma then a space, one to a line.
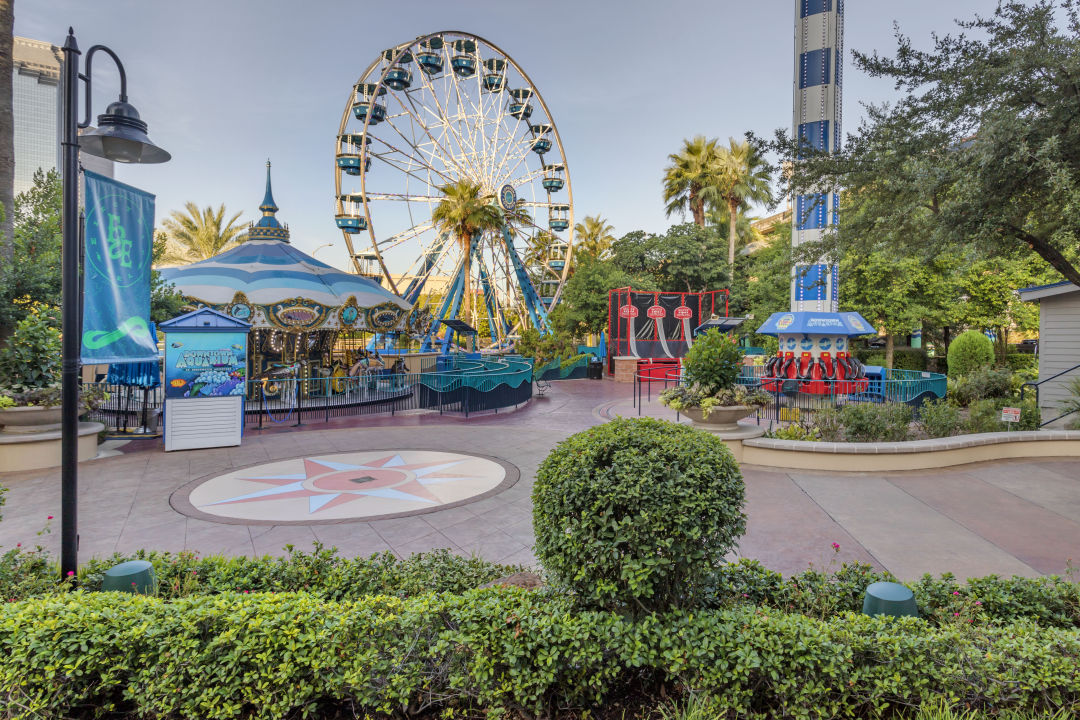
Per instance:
x=697, y=208
x=7, y=129
x=733, y=209
x=466, y=303
x=889, y=342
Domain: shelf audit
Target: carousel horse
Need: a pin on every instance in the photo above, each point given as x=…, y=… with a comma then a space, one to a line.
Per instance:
x=369, y=362
x=276, y=376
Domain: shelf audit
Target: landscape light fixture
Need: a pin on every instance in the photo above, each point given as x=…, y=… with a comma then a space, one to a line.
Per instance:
x=121, y=137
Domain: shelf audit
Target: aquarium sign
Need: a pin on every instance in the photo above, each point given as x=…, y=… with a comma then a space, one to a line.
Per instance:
x=205, y=364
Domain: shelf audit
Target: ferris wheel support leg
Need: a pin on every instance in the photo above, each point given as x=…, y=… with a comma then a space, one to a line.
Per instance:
x=489, y=299
x=453, y=297
x=532, y=299
x=416, y=286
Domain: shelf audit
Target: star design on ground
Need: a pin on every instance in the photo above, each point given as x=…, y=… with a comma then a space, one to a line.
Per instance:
x=327, y=484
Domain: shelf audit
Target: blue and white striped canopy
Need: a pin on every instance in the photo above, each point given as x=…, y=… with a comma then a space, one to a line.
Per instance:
x=270, y=271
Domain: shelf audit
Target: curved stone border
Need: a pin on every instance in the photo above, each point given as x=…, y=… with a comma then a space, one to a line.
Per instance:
x=911, y=455
x=180, y=503
x=37, y=451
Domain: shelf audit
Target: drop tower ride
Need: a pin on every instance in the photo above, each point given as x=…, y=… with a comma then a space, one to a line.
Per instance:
x=814, y=334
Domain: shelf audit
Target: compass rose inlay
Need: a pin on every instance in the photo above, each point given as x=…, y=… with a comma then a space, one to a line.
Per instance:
x=347, y=486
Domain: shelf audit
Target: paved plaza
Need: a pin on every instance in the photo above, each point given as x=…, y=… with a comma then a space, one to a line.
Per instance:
x=412, y=483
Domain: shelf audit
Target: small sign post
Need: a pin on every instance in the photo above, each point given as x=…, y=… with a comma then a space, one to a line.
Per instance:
x=1010, y=415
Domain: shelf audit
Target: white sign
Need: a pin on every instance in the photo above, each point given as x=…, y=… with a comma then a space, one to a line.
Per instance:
x=1009, y=414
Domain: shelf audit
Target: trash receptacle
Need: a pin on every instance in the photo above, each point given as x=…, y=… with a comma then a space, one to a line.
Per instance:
x=596, y=370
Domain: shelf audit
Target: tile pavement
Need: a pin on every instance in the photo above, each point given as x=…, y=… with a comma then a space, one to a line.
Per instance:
x=1017, y=517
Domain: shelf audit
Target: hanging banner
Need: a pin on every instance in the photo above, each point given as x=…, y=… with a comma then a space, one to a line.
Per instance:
x=116, y=272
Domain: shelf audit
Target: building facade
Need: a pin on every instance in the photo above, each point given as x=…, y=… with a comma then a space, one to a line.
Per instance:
x=36, y=106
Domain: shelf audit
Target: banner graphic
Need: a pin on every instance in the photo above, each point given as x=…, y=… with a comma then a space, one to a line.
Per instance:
x=116, y=273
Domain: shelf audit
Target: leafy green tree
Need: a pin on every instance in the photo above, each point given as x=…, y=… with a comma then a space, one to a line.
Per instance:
x=693, y=179
x=894, y=293
x=166, y=302
x=584, y=304
x=982, y=153
x=761, y=284
x=745, y=180
x=593, y=237
x=198, y=234
x=32, y=274
x=687, y=258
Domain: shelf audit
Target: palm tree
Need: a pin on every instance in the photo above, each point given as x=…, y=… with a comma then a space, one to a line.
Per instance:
x=594, y=236
x=745, y=181
x=693, y=179
x=196, y=234
x=7, y=130
x=466, y=213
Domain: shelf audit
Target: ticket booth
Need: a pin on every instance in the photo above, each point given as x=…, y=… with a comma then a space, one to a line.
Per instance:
x=205, y=379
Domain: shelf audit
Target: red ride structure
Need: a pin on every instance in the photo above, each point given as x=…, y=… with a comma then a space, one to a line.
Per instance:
x=657, y=327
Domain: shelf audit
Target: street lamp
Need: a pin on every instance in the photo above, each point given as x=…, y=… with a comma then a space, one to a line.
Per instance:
x=120, y=136
x=324, y=245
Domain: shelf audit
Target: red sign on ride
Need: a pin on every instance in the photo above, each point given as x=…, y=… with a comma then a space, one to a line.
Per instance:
x=683, y=313
x=656, y=312
x=628, y=311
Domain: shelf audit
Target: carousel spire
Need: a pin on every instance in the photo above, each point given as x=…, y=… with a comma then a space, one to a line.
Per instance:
x=268, y=227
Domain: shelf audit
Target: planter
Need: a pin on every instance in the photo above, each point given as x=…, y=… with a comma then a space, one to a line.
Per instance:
x=30, y=419
x=724, y=418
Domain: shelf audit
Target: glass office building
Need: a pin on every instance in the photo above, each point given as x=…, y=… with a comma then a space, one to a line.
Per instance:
x=36, y=104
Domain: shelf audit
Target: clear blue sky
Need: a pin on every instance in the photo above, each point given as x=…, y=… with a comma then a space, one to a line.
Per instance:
x=224, y=84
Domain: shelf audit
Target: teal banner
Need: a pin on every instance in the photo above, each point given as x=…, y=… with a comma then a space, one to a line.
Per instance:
x=116, y=273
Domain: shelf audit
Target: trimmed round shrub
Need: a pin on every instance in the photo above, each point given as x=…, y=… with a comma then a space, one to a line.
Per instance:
x=713, y=362
x=636, y=515
x=969, y=352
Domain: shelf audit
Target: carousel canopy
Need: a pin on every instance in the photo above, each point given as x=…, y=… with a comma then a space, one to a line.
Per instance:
x=266, y=271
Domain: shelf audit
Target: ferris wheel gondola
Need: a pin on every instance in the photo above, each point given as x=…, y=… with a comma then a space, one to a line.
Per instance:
x=447, y=108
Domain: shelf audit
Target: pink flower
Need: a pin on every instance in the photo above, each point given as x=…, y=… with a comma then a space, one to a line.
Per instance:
x=836, y=546
x=978, y=602
x=70, y=573
x=18, y=544
x=956, y=614
x=49, y=518
x=955, y=592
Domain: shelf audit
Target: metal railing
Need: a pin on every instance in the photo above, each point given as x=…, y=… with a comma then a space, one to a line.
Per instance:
x=1036, y=384
x=466, y=387
x=793, y=400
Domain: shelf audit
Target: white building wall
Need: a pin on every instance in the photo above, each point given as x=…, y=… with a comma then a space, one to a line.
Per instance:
x=1059, y=347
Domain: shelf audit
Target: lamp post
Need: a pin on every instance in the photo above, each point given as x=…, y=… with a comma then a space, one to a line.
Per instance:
x=120, y=136
x=324, y=245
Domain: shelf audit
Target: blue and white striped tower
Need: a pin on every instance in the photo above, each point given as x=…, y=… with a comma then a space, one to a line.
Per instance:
x=819, y=62
x=813, y=337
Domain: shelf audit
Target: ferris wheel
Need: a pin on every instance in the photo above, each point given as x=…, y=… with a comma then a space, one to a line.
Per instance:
x=443, y=111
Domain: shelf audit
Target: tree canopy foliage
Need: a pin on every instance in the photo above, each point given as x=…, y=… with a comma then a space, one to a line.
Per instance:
x=981, y=156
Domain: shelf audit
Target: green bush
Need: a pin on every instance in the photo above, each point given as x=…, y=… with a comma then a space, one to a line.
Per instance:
x=635, y=514
x=985, y=415
x=30, y=359
x=983, y=383
x=970, y=351
x=1024, y=363
x=502, y=652
x=827, y=423
x=321, y=572
x=876, y=422
x=904, y=358
x=940, y=418
x=713, y=363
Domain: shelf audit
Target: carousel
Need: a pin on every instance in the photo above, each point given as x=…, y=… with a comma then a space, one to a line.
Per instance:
x=308, y=319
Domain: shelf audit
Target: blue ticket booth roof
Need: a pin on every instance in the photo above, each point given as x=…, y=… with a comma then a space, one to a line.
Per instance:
x=816, y=323
x=205, y=320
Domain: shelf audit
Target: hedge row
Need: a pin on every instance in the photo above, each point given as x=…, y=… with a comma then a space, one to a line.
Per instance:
x=904, y=358
x=323, y=572
x=286, y=655
x=1048, y=601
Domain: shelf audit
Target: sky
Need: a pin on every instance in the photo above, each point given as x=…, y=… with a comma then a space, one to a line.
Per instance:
x=226, y=84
